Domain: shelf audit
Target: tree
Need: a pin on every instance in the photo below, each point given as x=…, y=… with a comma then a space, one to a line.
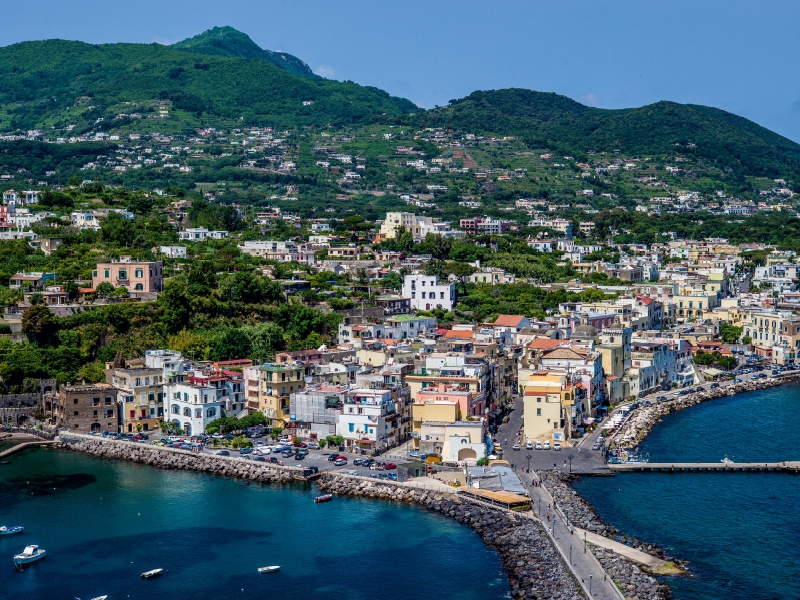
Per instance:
x=747, y=340
x=462, y=272
x=437, y=246
x=175, y=307
x=39, y=324
x=104, y=290
x=120, y=292
x=276, y=431
x=118, y=230
x=729, y=333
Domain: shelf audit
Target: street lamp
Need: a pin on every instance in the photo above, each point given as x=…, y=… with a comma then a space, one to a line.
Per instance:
x=529, y=457
x=570, y=457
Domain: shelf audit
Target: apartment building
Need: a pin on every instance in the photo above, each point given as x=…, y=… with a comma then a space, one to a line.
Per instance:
x=134, y=275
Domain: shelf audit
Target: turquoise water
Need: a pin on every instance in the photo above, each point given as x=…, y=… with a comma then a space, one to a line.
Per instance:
x=105, y=522
x=738, y=531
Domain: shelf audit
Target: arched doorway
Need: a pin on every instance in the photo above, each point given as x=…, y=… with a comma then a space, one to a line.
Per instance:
x=467, y=454
x=187, y=428
x=96, y=427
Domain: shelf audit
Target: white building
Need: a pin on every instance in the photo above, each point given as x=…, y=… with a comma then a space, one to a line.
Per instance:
x=427, y=293
x=196, y=234
x=191, y=407
x=173, y=251
x=369, y=419
x=282, y=251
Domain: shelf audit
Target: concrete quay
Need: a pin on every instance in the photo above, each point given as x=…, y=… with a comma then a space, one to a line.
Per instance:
x=23, y=446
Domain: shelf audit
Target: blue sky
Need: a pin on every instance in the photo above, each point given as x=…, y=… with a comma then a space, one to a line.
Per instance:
x=735, y=55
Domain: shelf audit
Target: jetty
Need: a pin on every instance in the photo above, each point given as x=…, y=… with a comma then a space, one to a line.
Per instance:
x=732, y=467
x=23, y=446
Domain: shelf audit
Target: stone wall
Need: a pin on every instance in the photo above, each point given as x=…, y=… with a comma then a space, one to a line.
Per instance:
x=171, y=458
x=533, y=565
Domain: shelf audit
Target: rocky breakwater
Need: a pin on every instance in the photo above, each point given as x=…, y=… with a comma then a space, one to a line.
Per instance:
x=170, y=458
x=641, y=420
x=532, y=563
x=629, y=577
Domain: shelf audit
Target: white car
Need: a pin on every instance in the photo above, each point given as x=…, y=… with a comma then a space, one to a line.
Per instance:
x=529, y=446
x=556, y=446
x=547, y=445
x=538, y=445
x=516, y=447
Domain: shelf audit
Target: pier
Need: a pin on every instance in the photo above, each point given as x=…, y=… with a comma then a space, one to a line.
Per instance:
x=786, y=466
x=22, y=446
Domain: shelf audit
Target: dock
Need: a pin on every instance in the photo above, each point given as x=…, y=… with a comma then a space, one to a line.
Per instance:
x=732, y=467
x=23, y=446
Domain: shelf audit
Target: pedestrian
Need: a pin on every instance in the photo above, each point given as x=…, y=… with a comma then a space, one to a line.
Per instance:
x=548, y=516
x=579, y=449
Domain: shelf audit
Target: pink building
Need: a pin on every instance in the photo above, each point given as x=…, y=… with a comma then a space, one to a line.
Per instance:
x=468, y=404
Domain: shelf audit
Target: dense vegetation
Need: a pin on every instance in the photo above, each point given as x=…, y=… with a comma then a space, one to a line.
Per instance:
x=54, y=82
x=227, y=41
x=547, y=120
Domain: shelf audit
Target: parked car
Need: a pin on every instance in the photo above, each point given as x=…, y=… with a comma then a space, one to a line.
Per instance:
x=300, y=445
x=529, y=446
x=538, y=445
x=376, y=466
x=272, y=460
x=714, y=386
x=259, y=459
x=222, y=453
x=392, y=476
x=547, y=445
x=299, y=456
x=356, y=461
x=515, y=446
x=661, y=398
x=245, y=450
x=340, y=462
x=556, y=445
x=389, y=465
x=313, y=445
x=229, y=436
x=333, y=457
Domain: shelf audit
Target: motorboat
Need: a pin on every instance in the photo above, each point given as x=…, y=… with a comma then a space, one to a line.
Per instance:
x=29, y=555
x=10, y=530
x=324, y=498
x=726, y=460
x=272, y=569
x=97, y=598
x=151, y=574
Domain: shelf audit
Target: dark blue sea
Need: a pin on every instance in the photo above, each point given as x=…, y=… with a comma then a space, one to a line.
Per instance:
x=104, y=522
x=740, y=532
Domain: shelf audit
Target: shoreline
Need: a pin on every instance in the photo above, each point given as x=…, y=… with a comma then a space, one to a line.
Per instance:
x=530, y=561
x=634, y=429
x=641, y=421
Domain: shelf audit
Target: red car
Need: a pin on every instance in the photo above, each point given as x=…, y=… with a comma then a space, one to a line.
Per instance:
x=389, y=466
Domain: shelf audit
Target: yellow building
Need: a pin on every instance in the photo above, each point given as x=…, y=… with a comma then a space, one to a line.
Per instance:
x=548, y=402
x=271, y=385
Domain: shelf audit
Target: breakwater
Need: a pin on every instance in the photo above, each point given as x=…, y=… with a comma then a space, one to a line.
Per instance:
x=630, y=578
x=641, y=420
x=171, y=458
x=534, y=567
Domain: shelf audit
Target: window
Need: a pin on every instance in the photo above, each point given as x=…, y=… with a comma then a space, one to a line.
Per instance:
x=441, y=295
x=138, y=273
x=107, y=273
x=123, y=274
x=139, y=287
x=538, y=412
x=351, y=427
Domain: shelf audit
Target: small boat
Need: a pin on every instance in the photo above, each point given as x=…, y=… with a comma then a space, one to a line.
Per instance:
x=151, y=574
x=30, y=554
x=10, y=530
x=97, y=598
x=726, y=460
x=324, y=498
x=272, y=569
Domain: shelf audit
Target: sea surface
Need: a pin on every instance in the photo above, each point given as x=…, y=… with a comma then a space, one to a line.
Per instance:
x=104, y=522
x=740, y=532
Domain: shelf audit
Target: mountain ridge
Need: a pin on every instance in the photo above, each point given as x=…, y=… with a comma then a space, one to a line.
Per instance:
x=229, y=42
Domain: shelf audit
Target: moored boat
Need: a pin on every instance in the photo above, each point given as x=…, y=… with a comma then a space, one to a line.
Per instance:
x=151, y=574
x=29, y=555
x=10, y=530
x=272, y=569
x=324, y=498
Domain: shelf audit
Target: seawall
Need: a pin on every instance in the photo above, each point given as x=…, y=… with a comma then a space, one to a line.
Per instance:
x=171, y=458
x=641, y=420
x=533, y=566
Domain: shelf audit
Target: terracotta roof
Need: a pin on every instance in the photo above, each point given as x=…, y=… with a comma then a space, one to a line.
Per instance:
x=509, y=320
x=645, y=300
x=454, y=333
x=567, y=353
x=544, y=343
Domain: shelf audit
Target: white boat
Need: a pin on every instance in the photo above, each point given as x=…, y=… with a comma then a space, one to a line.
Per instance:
x=151, y=574
x=269, y=569
x=9, y=530
x=97, y=598
x=30, y=554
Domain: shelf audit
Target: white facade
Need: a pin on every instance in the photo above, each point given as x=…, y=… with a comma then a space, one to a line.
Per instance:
x=197, y=234
x=368, y=417
x=427, y=293
x=191, y=407
x=173, y=251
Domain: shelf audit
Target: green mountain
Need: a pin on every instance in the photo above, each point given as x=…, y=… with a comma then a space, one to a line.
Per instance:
x=57, y=83
x=548, y=120
x=227, y=41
